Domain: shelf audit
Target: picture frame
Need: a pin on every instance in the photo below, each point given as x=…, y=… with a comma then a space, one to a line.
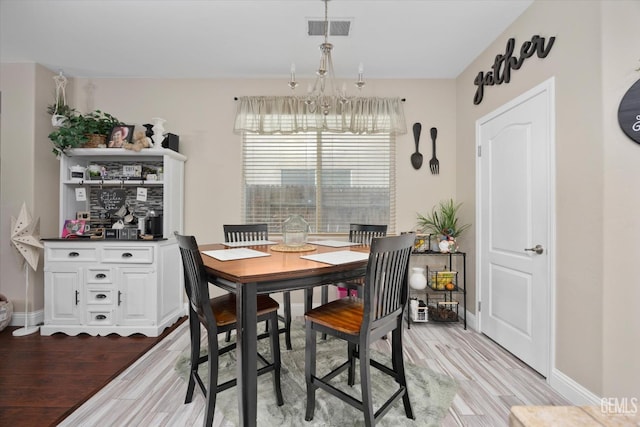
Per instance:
x=120, y=135
x=74, y=228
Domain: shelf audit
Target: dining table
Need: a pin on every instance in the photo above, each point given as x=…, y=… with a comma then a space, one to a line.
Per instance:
x=273, y=271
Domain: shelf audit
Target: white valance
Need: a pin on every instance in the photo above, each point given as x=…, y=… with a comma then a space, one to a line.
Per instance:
x=291, y=114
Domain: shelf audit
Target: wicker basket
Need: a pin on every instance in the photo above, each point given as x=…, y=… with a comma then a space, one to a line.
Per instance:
x=95, y=141
x=6, y=310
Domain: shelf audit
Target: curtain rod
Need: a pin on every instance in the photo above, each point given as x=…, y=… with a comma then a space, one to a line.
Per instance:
x=235, y=98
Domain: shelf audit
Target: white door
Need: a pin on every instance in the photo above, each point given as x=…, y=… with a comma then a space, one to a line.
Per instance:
x=514, y=214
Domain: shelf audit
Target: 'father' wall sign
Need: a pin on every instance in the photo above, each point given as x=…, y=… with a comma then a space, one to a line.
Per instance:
x=501, y=70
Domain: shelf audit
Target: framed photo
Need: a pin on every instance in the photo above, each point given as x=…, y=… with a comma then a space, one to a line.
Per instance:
x=74, y=228
x=119, y=135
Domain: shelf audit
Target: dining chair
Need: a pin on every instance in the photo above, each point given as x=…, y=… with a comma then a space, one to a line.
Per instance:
x=260, y=231
x=218, y=315
x=358, y=233
x=360, y=322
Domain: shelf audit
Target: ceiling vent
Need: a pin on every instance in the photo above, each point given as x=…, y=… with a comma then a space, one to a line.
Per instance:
x=336, y=28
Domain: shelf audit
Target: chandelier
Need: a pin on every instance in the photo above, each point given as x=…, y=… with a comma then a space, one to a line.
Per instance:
x=324, y=92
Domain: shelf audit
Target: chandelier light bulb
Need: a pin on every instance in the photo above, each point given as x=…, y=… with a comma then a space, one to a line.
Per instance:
x=317, y=99
x=293, y=83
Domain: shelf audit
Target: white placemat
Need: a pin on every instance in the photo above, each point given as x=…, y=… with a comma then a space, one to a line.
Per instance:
x=334, y=243
x=233, y=254
x=339, y=257
x=249, y=243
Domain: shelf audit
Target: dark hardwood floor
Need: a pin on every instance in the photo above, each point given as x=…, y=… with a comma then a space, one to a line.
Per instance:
x=44, y=379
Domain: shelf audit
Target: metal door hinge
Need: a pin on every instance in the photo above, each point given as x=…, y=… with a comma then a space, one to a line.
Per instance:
x=479, y=305
x=479, y=151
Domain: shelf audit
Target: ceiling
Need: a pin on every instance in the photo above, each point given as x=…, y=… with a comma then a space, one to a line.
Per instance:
x=397, y=39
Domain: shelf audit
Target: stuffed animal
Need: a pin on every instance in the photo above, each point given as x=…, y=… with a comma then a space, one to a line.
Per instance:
x=140, y=141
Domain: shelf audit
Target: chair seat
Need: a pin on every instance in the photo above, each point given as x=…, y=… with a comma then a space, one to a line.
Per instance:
x=224, y=308
x=344, y=315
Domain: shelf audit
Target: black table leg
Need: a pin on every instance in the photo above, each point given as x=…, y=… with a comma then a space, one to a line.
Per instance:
x=246, y=310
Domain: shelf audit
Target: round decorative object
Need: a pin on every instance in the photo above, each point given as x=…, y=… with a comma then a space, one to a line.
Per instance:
x=6, y=311
x=629, y=112
x=444, y=246
x=284, y=248
x=294, y=231
x=418, y=278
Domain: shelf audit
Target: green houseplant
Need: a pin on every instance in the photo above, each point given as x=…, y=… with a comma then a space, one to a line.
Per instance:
x=443, y=220
x=76, y=130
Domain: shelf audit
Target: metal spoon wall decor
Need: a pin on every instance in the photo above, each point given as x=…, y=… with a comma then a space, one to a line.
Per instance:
x=416, y=158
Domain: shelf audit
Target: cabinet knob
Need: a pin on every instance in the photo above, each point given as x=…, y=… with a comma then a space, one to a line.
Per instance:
x=100, y=276
x=101, y=296
x=101, y=317
x=127, y=255
x=74, y=254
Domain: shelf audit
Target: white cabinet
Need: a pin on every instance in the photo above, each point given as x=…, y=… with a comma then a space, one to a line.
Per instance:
x=103, y=286
x=124, y=289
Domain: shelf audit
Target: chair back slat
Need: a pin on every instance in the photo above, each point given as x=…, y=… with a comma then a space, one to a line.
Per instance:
x=245, y=232
x=364, y=233
x=386, y=281
x=195, y=279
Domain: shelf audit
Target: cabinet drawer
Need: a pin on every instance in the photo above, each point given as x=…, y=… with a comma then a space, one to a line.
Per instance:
x=99, y=317
x=100, y=296
x=99, y=275
x=128, y=255
x=72, y=254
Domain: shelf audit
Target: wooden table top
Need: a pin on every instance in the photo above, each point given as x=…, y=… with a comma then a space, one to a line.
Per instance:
x=277, y=266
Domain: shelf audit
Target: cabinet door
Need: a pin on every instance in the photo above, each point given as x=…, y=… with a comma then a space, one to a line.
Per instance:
x=137, y=296
x=62, y=297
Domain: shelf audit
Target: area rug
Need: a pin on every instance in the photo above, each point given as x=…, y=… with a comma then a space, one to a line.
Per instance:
x=431, y=393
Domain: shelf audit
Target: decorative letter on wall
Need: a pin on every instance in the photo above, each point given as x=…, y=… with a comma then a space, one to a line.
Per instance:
x=629, y=112
x=501, y=70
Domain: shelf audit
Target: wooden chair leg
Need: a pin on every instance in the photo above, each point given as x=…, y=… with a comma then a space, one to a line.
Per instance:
x=324, y=298
x=310, y=369
x=194, y=331
x=365, y=384
x=212, y=349
x=351, y=353
x=398, y=367
x=287, y=319
x=275, y=356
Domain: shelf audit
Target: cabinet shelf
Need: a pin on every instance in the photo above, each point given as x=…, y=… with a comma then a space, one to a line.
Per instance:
x=460, y=281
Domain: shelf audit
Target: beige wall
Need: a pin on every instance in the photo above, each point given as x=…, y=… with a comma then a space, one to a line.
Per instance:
x=621, y=215
x=589, y=341
x=28, y=173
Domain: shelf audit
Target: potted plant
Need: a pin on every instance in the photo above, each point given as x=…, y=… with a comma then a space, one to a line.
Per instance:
x=79, y=130
x=443, y=221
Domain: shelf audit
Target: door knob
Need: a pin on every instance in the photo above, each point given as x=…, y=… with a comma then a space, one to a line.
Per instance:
x=537, y=249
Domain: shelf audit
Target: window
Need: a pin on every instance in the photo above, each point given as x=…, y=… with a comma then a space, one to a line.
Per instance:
x=331, y=179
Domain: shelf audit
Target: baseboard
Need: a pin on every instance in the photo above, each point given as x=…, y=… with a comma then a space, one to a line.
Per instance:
x=571, y=390
x=34, y=318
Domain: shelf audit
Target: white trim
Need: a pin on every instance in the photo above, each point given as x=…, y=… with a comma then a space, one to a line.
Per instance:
x=549, y=87
x=35, y=318
x=571, y=390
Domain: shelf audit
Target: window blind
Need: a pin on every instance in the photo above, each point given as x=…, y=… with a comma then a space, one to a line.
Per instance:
x=331, y=179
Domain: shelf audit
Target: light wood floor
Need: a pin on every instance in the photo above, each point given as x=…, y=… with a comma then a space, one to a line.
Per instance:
x=490, y=381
